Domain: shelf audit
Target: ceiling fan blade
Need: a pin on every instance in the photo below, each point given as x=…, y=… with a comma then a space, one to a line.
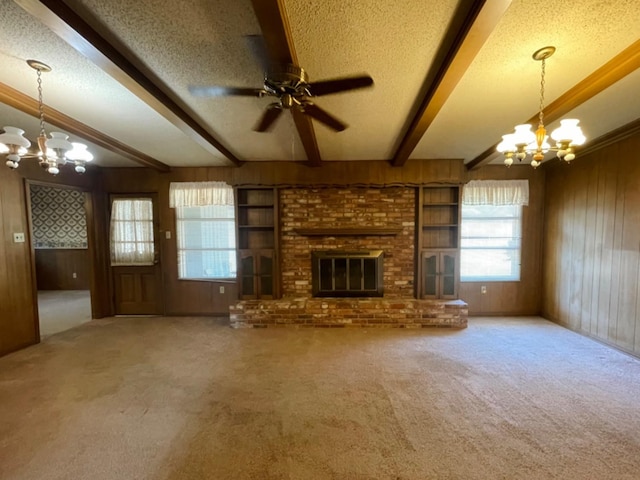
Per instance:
x=324, y=87
x=267, y=121
x=323, y=116
x=215, y=91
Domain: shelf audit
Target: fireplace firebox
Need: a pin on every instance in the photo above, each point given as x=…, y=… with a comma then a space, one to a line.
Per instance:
x=347, y=273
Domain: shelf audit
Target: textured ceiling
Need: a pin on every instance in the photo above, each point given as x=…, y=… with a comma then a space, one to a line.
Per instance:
x=203, y=42
x=336, y=38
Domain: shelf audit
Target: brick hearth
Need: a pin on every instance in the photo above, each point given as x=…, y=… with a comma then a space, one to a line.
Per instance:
x=333, y=312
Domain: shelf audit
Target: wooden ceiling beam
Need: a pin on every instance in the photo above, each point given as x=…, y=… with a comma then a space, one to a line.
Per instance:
x=104, y=50
x=28, y=105
x=470, y=28
x=274, y=24
x=611, y=72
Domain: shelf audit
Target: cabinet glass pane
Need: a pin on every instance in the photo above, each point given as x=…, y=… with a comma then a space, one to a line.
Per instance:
x=247, y=285
x=266, y=265
x=247, y=266
x=449, y=264
x=448, y=286
x=430, y=274
x=266, y=285
x=448, y=279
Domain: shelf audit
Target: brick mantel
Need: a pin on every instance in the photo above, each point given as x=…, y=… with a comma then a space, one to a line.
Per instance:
x=345, y=232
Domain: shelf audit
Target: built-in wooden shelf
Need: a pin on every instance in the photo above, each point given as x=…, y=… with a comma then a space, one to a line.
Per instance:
x=335, y=232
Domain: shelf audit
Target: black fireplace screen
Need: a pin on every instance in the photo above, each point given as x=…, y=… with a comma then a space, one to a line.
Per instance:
x=347, y=274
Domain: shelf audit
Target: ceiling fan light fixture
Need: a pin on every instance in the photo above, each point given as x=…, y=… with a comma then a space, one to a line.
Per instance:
x=526, y=142
x=290, y=85
x=52, y=152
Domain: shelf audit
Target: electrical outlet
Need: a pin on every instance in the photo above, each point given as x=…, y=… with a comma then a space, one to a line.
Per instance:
x=74, y=275
x=167, y=235
x=483, y=289
x=221, y=288
x=18, y=238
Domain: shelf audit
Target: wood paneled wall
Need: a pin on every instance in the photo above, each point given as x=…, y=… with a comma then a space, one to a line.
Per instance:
x=523, y=297
x=592, y=245
x=62, y=269
x=18, y=315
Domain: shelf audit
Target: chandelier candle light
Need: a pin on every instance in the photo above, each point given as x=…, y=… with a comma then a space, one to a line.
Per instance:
x=524, y=142
x=53, y=152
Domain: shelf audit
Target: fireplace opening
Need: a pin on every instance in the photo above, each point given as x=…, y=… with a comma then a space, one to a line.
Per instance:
x=347, y=274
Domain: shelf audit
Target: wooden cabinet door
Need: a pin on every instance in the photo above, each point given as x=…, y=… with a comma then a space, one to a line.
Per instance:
x=439, y=274
x=257, y=274
x=265, y=274
x=248, y=287
x=430, y=269
x=448, y=278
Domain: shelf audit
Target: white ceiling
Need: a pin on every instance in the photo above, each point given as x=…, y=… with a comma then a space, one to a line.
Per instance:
x=202, y=42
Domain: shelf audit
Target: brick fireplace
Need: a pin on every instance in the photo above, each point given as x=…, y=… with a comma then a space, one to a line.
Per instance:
x=352, y=220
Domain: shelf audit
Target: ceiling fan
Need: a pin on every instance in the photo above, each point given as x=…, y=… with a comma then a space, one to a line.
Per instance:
x=289, y=84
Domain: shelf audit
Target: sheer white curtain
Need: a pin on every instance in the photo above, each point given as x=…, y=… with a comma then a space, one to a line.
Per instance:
x=132, y=232
x=199, y=194
x=205, y=230
x=496, y=192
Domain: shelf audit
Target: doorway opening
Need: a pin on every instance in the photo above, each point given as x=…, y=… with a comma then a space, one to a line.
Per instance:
x=58, y=224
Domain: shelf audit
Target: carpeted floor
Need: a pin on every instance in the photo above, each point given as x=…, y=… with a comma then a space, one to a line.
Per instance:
x=189, y=398
x=60, y=310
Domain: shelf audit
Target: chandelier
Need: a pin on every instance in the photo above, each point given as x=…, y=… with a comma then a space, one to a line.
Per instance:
x=523, y=141
x=54, y=151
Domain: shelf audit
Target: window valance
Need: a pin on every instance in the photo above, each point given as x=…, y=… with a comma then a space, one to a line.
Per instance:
x=198, y=194
x=496, y=192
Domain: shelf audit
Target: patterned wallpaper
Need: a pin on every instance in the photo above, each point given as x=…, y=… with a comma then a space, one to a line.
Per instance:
x=58, y=218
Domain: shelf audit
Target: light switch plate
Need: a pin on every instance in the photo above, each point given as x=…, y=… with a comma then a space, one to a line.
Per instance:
x=18, y=238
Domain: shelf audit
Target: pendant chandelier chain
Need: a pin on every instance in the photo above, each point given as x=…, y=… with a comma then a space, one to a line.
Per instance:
x=541, y=114
x=40, y=104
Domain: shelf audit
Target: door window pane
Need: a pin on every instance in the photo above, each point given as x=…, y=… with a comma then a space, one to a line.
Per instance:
x=131, y=232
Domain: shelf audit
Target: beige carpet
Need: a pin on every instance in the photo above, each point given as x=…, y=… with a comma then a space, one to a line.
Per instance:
x=60, y=310
x=189, y=398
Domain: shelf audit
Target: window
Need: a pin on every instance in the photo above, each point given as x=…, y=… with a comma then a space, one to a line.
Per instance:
x=132, y=232
x=491, y=230
x=206, y=242
x=205, y=230
x=490, y=242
